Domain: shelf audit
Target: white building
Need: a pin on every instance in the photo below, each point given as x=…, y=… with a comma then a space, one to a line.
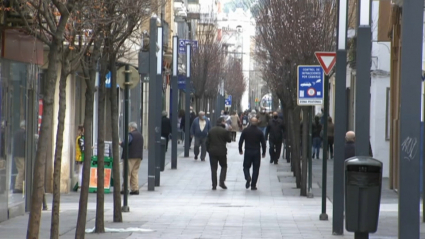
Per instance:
x=236, y=29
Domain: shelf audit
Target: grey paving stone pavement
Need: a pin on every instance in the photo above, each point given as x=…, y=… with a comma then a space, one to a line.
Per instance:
x=185, y=207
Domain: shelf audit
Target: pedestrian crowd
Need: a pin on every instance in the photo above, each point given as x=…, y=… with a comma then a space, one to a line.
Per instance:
x=255, y=130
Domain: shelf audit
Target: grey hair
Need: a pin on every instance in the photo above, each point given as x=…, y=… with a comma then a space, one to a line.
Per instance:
x=201, y=113
x=133, y=125
x=164, y=113
x=22, y=124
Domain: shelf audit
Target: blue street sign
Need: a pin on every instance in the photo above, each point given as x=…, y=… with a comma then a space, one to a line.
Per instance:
x=182, y=45
x=228, y=101
x=181, y=82
x=310, y=85
x=108, y=80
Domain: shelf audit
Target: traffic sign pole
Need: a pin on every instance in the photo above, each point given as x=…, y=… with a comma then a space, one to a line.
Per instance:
x=324, y=215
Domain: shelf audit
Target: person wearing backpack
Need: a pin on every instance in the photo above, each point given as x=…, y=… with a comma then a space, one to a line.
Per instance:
x=245, y=121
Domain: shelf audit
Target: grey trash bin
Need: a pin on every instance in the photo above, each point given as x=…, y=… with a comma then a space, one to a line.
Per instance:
x=162, y=162
x=363, y=180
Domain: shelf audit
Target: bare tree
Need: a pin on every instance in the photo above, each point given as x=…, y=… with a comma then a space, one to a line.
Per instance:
x=48, y=23
x=207, y=61
x=288, y=34
x=235, y=83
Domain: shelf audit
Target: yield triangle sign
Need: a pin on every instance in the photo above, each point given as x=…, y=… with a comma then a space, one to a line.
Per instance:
x=327, y=60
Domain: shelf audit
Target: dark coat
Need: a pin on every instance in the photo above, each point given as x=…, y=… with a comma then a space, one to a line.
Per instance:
x=350, y=150
x=275, y=130
x=165, y=127
x=217, y=139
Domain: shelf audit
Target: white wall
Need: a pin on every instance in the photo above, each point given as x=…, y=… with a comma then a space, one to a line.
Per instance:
x=378, y=112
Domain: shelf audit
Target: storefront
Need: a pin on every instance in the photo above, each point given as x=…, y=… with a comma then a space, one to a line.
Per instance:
x=19, y=95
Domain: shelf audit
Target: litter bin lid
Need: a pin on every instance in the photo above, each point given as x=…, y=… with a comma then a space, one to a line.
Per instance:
x=363, y=160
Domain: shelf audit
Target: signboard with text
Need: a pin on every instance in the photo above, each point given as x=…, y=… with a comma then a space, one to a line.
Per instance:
x=310, y=85
x=184, y=42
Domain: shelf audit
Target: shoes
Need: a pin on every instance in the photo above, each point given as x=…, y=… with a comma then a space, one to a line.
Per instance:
x=223, y=186
x=135, y=192
x=275, y=162
x=253, y=188
x=248, y=183
x=196, y=157
x=17, y=191
x=271, y=160
x=202, y=159
x=214, y=188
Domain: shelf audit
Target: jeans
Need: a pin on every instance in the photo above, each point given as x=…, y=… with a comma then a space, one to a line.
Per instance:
x=275, y=149
x=214, y=161
x=252, y=157
x=263, y=129
x=316, y=146
x=331, y=145
x=200, y=142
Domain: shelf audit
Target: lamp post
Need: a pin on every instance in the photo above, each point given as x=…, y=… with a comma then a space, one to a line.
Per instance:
x=125, y=207
x=362, y=117
x=158, y=108
x=340, y=119
x=187, y=103
x=152, y=105
x=174, y=86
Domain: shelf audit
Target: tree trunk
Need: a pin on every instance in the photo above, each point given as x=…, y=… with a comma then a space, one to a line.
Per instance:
x=294, y=122
x=115, y=142
x=44, y=140
x=88, y=140
x=100, y=198
x=54, y=230
x=305, y=151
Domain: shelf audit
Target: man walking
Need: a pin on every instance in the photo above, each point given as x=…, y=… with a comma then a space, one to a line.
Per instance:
x=200, y=128
x=165, y=128
x=19, y=140
x=135, y=156
x=263, y=121
x=274, y=133
x=217, y=139
x=253, y=138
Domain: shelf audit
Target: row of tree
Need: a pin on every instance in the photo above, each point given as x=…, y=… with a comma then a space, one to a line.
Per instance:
x=287, y=35
x=211, y=66
x=88, y=37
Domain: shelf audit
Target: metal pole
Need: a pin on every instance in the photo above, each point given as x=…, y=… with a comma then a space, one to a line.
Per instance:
x=187, y=103
x=324, y=216
x=310, y=160
x=340, y=120
x=152, y=105
x=410, y=103
x=362, y=117
x=158, y=108
x=174, y=102
x=125, y=207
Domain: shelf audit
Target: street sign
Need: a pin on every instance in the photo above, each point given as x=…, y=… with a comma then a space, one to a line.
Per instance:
x=228, y=101
x=327, y=60
x=310, y=85
x=181, y=82
x=182, y=45
x=108, y=80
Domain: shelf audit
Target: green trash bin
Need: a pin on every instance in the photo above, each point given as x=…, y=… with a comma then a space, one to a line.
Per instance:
x=93, y=174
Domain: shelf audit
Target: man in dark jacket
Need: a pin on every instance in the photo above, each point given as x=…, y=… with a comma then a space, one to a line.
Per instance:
x=165, y=128
x=200, y=128
x=135, y=156
x=217, y=139
x=254, y=141
x=274, y=133
x=19, y=141
x=192, y=117
x=350, y=145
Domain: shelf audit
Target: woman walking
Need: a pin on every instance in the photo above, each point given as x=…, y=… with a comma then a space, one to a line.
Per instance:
x=331, y=128
x=235, y=125
x=317, y=141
